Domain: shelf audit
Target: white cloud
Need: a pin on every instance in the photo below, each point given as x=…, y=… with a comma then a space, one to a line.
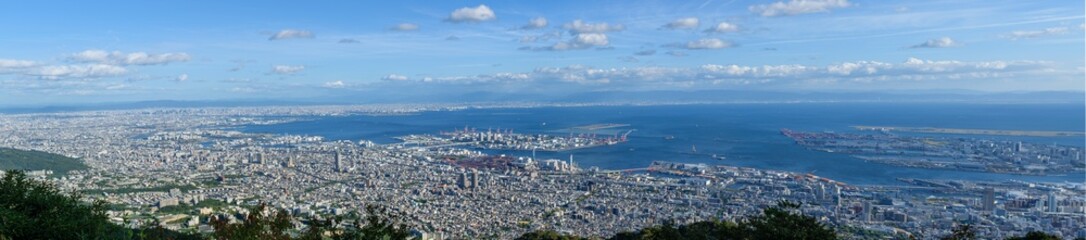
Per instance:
x=585, y=35
x=291, y=33
x=930, y=66
x=16, y=64
x=578, y=26
x=287, y=69
x=591, y=39
x=682, y=23
x=582, y=41
x=535, y=23
x=1037, y=33
x=481, y=78
x=183, y=77
x=334, y=84
x=472, y=14
x=395, y=77
x=79, y=71
x=121, y=58
x=866, y=67
x=707, y=43
x=405, y=27
x=796, y=7
x=767, y=71
x=723, y=27
x=943, y=42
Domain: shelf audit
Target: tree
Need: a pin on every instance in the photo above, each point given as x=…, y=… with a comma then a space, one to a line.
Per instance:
x=547, y=235
x=32, y=209
x=267, y=223
x=1036, y=235
x=379, y=223
x=260, y=223
x=781, y=223
x=961, y=232
x=704, y=230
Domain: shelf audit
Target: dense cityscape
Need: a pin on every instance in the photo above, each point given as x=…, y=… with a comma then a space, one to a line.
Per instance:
x=543, y=120
x=185, y=166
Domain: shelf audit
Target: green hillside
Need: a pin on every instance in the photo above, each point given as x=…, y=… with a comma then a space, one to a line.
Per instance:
x=15, y=159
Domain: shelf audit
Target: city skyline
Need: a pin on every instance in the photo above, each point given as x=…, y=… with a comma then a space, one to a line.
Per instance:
x=79, y=52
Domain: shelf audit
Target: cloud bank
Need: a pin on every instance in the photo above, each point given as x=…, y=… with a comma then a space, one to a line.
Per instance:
x=723, y=75
x=121, y=58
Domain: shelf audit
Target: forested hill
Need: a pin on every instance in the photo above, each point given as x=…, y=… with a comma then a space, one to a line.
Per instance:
x=15, y=159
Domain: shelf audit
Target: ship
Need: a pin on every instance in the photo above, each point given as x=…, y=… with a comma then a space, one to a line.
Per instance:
x=719, y=157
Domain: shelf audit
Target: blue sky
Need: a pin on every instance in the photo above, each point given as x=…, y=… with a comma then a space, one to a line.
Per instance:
x=55, y=52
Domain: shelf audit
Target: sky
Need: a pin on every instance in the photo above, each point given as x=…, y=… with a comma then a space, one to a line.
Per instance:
x=63, y=52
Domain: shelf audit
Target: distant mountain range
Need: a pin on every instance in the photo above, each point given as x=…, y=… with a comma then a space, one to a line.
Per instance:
x=641, y=97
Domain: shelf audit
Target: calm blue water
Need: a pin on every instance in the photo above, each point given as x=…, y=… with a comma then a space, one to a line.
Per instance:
x=747, y=134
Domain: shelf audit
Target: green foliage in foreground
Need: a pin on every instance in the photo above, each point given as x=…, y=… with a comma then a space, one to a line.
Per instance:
x=15, y=159
x=779, y=222
x=967, y=232
x=1035, y=235
x=31, y=209
x=267, y=223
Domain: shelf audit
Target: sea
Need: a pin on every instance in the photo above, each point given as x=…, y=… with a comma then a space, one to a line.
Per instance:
x=745, y=135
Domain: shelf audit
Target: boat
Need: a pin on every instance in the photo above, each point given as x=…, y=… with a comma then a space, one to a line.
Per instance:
x=719, y=157
x=669, y=138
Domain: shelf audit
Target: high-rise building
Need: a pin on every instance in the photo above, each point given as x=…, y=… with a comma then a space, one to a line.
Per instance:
x=474, y=178
x=290, y=160
x=821, y=192
x=463, y=181
x=256, y=158
x=339, y=162
x=869, y=211
x=989, y=199
x=836, y=199
x=1053, y=205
